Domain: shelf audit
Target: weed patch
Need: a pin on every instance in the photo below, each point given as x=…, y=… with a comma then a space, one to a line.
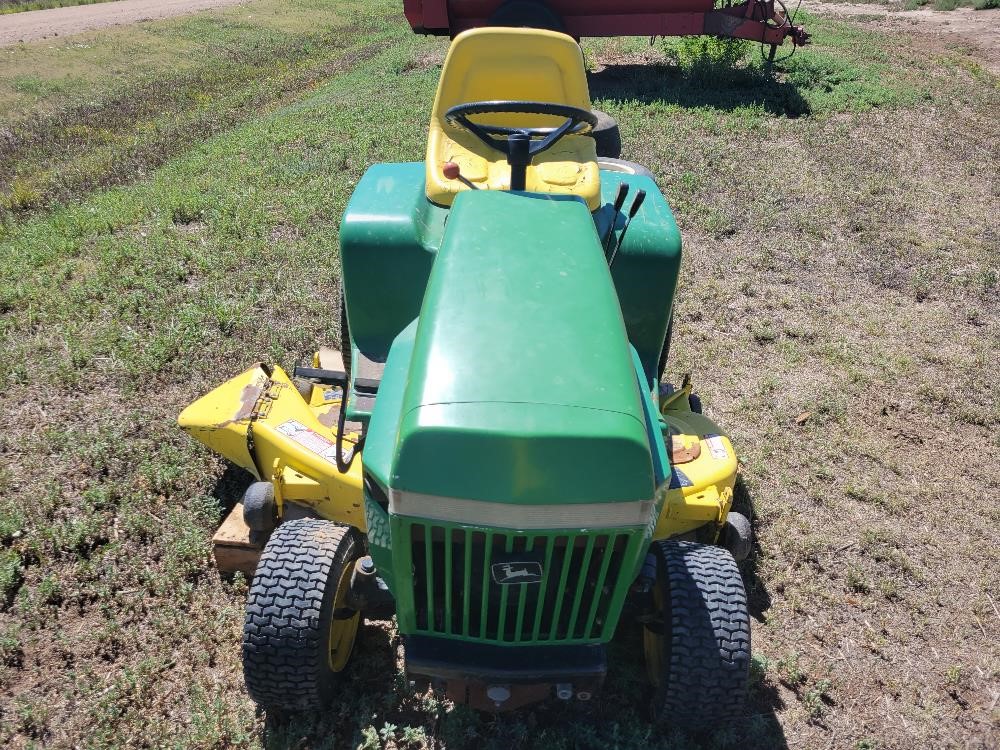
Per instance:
x=843, y=69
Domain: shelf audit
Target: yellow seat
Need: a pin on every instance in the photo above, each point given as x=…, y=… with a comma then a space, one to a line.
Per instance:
x=492, y=64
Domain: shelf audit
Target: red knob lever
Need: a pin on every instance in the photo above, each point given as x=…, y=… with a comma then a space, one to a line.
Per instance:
x=452, y=172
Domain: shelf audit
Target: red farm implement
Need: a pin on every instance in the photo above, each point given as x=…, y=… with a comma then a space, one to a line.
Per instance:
x=764, y=21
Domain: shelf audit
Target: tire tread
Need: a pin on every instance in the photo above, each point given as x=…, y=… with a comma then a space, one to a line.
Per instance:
x=707, y=651
x=285, y=629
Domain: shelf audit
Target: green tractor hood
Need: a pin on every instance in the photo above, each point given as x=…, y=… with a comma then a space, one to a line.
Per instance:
x=516, y=385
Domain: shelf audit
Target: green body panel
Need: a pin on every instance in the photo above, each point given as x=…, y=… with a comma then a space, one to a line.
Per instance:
x=655, y=426
x=383, y=429
x=646, y=268
x=390, y=233
x=531, y=454
x=378, y=454
x=521, y=385
x=388, y=237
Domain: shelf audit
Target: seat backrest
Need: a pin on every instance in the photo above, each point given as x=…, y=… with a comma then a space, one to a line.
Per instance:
x=491, y=64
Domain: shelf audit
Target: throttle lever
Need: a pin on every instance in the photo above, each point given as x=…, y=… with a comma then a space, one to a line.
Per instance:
x=619, y=202
x=640, y=196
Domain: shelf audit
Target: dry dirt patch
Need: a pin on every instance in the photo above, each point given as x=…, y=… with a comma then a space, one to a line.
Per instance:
x=978, y=28
x=42, y=24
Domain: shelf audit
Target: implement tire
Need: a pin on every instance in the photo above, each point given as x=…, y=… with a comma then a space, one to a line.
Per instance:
x=298, y=634
x=698, y=650
x=533, y=14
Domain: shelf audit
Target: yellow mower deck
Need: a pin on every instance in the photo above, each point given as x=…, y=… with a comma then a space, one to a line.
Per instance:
x=258, y=420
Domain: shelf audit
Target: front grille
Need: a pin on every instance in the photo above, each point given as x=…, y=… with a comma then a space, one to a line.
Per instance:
x=577, y=599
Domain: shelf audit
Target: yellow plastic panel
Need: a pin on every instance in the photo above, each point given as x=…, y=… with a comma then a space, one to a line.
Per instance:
x=706, y=494
x=291, y=435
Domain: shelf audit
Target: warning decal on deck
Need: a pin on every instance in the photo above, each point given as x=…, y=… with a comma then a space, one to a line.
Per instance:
x=716, y=447
x=309, y=439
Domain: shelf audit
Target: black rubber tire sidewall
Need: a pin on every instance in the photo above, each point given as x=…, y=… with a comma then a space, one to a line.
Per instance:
x=258, y=507
x=706, y=631
x=695, y=400
x=533, y=14
x=607, y=136
x=286, y=632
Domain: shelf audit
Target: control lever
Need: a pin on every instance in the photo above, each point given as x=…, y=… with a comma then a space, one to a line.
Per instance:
x=453, y=172
x=619, y=202
x=640, y=196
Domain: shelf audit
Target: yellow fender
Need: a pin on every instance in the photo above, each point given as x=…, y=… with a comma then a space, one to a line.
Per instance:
x=704, y=470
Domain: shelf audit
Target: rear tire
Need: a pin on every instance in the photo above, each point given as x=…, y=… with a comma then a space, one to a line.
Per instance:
x=299, y=634
x=607, y=136
x=625, y=167
x=698, y=648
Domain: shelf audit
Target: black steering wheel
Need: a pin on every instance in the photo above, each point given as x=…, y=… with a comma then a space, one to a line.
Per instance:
x=517, y=144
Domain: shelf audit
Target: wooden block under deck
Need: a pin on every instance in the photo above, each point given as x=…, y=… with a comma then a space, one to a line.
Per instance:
x=232, y=546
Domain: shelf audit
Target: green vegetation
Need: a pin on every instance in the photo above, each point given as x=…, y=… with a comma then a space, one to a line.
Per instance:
x=939, y=5
x=92, y=139
x=839, y=217
x=844, y=68
x=16, y=6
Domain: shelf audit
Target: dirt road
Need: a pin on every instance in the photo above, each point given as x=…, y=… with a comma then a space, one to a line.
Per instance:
x=42, y=24
x=978, y=28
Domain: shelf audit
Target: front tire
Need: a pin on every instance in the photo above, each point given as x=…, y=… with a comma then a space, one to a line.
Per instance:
x=299, y=634
x=698, y=646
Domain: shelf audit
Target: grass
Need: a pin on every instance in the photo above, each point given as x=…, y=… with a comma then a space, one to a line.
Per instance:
x=840, y=227
x=844, y=69
x=17, y=6
x=93, y=139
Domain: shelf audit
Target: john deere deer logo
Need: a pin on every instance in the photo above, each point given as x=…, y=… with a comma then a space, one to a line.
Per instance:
x=517, y=572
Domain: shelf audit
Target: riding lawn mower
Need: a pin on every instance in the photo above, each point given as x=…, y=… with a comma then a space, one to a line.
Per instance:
x=490, y=457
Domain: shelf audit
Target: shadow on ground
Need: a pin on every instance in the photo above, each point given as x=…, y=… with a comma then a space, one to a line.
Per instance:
x=758, y=597
x=702, y=84
x=230, y=487
x=377, y=711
